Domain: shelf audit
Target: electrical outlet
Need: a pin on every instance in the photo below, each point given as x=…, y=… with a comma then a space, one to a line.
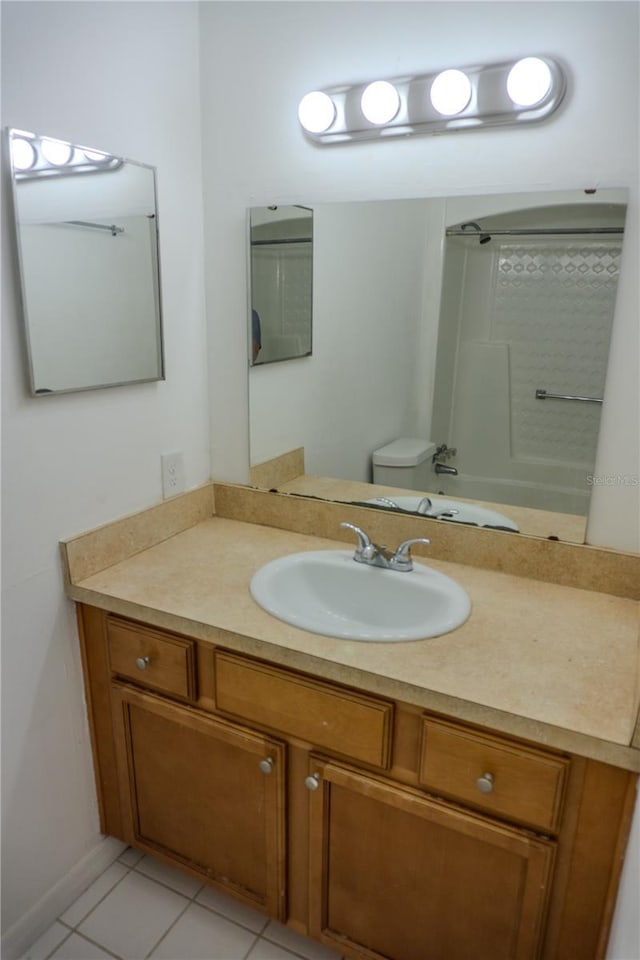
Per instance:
x=172, y=474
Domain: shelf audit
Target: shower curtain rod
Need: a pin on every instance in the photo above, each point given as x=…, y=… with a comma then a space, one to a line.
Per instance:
x=533, y=231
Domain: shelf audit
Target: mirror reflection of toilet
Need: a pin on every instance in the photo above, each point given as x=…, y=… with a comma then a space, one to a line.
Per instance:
x=404, y=463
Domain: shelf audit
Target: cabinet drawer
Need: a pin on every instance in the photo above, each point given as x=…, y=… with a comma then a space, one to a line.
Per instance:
x=160, y=661
x=520, y=783
x=326, y=716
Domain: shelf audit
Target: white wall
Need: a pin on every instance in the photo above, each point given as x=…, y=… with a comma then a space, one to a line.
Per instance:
x=591, y=141
x=122, y=77
x=264, y=56
x=353, y=394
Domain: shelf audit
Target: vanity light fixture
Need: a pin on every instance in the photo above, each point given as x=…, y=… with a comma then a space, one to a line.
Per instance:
x=513, y=92
x=34, y=156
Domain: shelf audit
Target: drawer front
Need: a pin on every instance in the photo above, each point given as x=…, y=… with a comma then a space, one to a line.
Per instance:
x=501, y=777
x=329, y=717
x=160, y=661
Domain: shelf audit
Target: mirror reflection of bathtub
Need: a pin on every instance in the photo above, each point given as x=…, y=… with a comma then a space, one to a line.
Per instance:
x=444, y=508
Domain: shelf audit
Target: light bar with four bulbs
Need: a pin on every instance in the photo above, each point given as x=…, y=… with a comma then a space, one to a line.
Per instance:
x=527, y=90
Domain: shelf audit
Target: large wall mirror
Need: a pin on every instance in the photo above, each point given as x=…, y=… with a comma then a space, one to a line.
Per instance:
x=478, y=326
x=87, y=232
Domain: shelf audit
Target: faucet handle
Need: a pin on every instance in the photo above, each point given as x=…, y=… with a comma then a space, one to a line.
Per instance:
x=365, y=549
x=401, y=559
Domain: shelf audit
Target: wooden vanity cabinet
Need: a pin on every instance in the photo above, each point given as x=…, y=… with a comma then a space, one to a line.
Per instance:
x=206, y=793
x=381, y=830
x=394, y=873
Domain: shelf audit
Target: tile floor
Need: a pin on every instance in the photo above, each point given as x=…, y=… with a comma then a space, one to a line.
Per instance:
x=140, y=907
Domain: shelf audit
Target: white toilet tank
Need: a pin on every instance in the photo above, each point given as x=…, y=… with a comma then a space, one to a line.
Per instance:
x=405, y=463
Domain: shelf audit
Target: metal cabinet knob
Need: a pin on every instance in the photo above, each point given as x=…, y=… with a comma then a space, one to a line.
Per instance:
x=312, y=782
x=266, y=765
x=143, y=662
x=485, y=783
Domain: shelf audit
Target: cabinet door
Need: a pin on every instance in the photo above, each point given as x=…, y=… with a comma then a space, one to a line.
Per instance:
x=397, y=874
x=206, y=793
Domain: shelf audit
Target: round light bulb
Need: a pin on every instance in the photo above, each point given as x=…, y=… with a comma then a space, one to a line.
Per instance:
x=380, y=102
x=95, y=157
x=316, y=112
x=23, y=154
x=57, y=152
x=529, y=81
x=450, y=92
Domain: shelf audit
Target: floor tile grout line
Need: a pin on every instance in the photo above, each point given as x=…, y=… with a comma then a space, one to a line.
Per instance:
x=194, y=896
x=83, y=936
x=165, y=886
x=169, y=929
x=75, y=928
x=190, y=900
x=218, y=913
x=162, y=883
x=260, y=935
x=64, y=940
x=289, y=950
x=238, y=923
x=256, y=936
x=128, y=870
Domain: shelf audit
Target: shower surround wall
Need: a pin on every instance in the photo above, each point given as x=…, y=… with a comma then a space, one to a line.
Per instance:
x=530, y=313
x=281, y=291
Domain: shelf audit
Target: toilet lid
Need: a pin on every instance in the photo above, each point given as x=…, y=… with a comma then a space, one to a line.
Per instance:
x=404, y=452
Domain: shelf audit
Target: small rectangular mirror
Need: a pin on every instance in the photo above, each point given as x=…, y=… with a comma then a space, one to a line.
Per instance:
x=87, y=236
x=281, y=262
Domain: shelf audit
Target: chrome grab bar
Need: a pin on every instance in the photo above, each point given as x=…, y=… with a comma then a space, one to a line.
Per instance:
x=543, y=395
x=96, y=226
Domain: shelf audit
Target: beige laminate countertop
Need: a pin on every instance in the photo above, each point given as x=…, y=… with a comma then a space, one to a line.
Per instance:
x=553, y=664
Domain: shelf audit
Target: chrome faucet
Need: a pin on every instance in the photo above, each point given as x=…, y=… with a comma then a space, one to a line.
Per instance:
x=378, y=556
x=443, y=453
x=447, y=513
x=388, y=503
x=425, y=509
x=445, y=468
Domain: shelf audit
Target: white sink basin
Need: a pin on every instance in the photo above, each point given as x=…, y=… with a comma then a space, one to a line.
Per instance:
x=466, y=512
x=328, y=592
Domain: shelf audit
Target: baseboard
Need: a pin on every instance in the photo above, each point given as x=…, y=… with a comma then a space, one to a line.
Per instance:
x=39, y=918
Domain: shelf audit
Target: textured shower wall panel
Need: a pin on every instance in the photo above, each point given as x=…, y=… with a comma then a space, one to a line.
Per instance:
x=281, y=293
x=554, y=304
